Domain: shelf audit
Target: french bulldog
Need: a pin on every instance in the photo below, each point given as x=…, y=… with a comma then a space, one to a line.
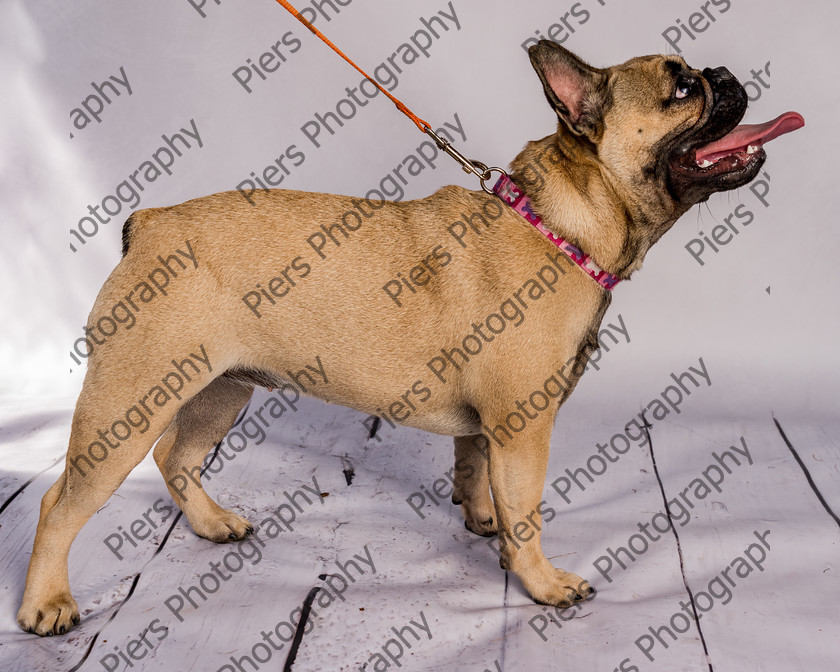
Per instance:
x=485, y=347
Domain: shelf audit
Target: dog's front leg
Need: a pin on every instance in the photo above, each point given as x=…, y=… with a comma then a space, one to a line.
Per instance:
x=518, y=463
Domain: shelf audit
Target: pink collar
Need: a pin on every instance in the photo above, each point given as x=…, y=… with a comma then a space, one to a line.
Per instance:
x=506, y=190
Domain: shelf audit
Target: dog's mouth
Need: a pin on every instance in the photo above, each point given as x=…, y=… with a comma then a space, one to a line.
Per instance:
x=719, y=154
x=739, y=149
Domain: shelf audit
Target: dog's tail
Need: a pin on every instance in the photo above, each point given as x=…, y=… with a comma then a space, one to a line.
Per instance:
x=127, y=229
x=132, y=224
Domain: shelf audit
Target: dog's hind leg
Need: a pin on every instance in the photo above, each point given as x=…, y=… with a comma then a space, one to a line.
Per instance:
x=113, y=429
x=199, y=425
x=472, y=484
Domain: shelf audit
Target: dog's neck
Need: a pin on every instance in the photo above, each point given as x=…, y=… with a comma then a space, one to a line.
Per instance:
x=576, y=200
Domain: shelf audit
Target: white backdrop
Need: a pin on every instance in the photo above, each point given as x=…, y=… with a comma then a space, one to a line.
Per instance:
x=762, y=312
x=779, y=346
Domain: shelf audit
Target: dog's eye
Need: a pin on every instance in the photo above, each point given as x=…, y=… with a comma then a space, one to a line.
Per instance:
x=683, y=88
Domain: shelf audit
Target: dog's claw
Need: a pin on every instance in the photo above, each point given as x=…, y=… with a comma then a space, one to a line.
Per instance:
x=222, y=527
x=488, y=530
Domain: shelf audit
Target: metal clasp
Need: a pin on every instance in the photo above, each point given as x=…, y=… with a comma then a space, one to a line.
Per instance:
x=477, y=168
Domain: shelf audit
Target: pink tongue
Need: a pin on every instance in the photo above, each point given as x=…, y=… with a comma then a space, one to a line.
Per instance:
x=750, y=134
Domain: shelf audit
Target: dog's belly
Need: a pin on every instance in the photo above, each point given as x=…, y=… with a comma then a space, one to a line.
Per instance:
x=444, y=416
x=454, y=421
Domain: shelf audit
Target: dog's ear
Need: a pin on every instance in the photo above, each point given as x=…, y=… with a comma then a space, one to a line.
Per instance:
x=575, y=90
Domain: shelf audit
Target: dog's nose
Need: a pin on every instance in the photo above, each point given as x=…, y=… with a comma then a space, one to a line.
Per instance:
x=718, y=75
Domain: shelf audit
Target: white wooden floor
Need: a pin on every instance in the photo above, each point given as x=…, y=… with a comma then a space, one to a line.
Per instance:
x=469, y=614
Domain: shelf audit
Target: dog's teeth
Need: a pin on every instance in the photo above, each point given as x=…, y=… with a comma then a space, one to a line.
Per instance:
x=705, y=163
x=752, y=149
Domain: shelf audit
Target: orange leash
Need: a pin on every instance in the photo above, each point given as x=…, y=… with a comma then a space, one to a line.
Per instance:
x=469, y=166
x=420, y=123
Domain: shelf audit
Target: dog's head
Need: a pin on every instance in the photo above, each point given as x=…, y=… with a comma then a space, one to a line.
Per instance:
x=667, y=134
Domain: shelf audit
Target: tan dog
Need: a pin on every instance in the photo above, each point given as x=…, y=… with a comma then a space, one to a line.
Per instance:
x=304, y=287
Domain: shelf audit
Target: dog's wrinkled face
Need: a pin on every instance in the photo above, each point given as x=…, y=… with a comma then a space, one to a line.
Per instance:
x=667, y=134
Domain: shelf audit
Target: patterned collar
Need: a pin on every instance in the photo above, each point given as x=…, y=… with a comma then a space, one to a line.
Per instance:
x=508, y=192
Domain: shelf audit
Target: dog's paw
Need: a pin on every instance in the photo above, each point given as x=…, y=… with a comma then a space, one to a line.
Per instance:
x=560, y=589
x=50, y=617
x=222, y=527
x=480, y=520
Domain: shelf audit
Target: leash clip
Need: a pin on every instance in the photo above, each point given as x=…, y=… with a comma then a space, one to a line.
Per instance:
x=474, y=167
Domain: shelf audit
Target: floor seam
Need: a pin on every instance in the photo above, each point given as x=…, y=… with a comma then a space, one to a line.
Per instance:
x=647, y=427
x=806, y=472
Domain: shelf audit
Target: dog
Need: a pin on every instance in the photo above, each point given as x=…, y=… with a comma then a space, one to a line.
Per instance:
x=489, y=311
